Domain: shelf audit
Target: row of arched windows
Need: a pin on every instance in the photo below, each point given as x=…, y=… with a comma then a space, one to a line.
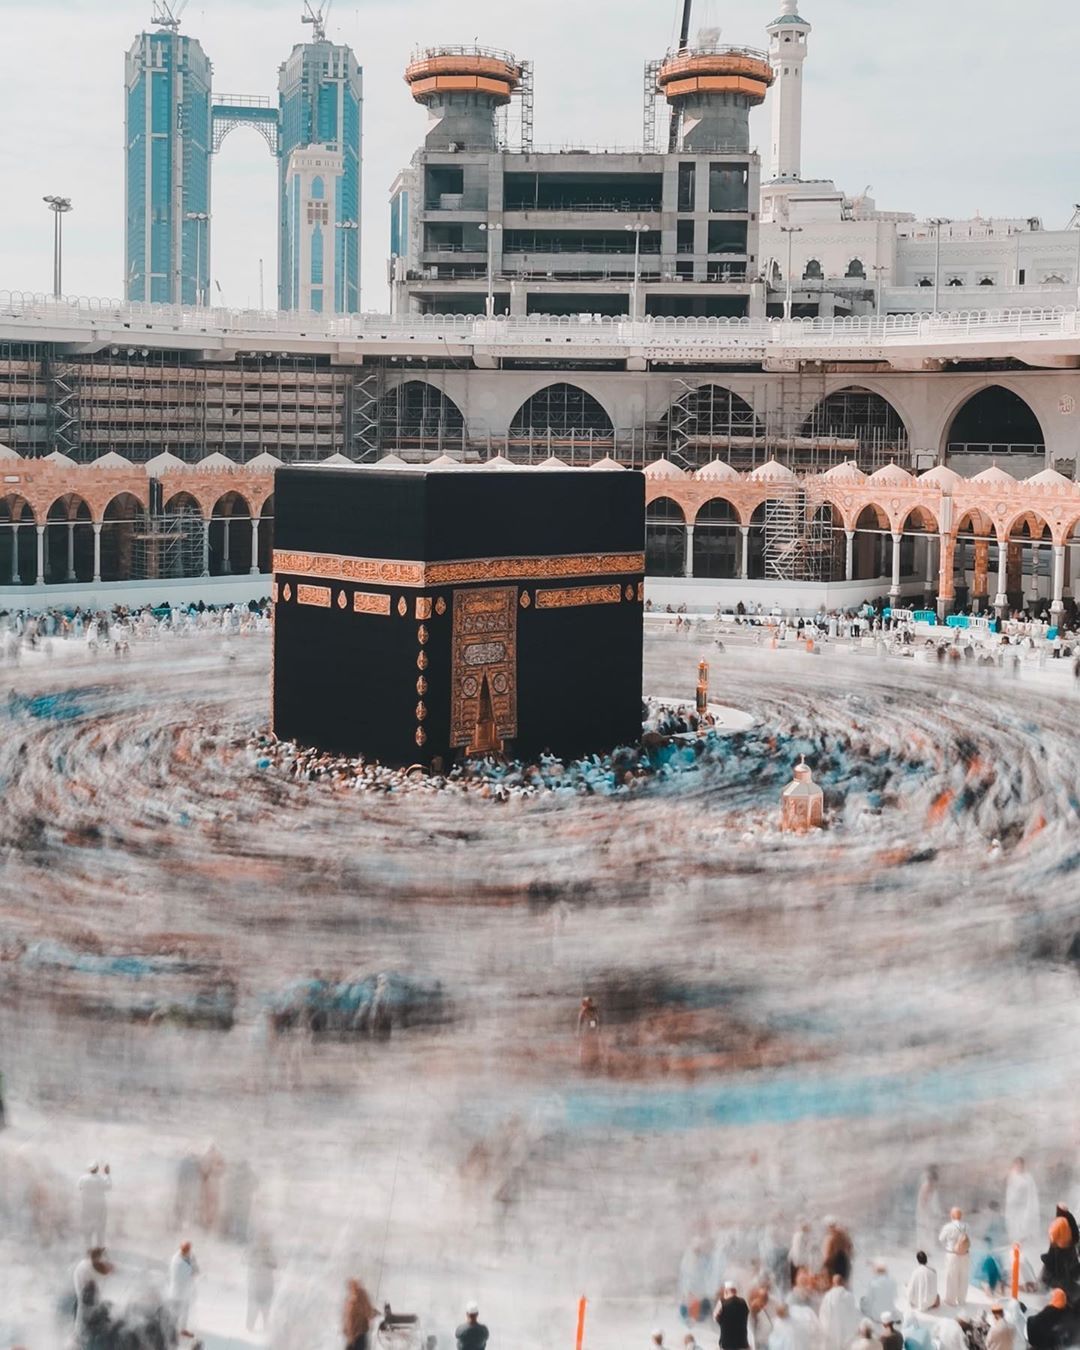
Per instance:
x=417, y=412
x=133, y=545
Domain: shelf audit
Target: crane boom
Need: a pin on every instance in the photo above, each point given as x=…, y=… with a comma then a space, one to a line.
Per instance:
x=684, y=42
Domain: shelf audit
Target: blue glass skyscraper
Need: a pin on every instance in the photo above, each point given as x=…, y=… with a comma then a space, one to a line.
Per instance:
x=320, y=91
x=167, y=168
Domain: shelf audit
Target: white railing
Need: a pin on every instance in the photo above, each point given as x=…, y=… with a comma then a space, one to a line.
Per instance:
x=126, y=324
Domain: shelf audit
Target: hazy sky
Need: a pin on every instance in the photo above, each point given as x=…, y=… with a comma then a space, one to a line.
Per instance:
x=944, y=106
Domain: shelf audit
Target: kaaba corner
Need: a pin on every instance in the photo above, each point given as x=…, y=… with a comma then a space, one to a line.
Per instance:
x=422, y=615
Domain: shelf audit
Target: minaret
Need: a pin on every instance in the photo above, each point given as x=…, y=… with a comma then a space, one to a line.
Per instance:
x=787, y=53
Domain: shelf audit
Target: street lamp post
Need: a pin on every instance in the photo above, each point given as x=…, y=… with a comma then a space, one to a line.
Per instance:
x=937, y=223
x=346, y=225
x=637, y=230
x=490, y=229
x=200, y=218
x=59, y=206
x=1076, y=209
x=789, y=230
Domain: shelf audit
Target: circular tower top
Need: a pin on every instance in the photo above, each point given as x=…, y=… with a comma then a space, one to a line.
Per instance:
x=438, y=71
x=697, y=73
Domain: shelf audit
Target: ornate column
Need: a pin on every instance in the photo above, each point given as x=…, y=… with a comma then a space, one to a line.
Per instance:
x=71, y=550
x=980, y=584
x=16, y=580
x=688, y=558
x=205, y=547
x=1001, y=599
x=40, y=578
x=1057, y=605
x=930, y=573
x=894, y=591
x=946, y=586
x=97, y=550
x=254, y=568
x=849, y=555
x=1014, y=575
x=226, y=561
x=744, y=566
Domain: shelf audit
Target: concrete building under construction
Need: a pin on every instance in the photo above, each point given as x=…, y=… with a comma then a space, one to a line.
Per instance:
x=483, y=220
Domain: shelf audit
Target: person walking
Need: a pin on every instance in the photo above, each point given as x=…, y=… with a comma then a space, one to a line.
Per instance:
x=956, y=1240
x=183, y=1271
x=733, y=1318
x=260, y=1290
x=1022, y=1208
x=357, y=1318
x=93, y=1187
x=472, y=1334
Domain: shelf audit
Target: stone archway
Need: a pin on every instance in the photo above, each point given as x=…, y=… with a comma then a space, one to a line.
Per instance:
x=18, y=541
x=564, y=420
x=665, y=538
x=69, y=541
x=717, y=550
x=994, y=421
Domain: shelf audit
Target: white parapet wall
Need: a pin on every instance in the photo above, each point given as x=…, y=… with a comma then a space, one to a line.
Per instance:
x=100, y=595
x=702, y=594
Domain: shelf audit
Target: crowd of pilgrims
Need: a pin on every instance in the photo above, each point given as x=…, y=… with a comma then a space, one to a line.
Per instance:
x=115, y=630
x=799, y=1293
x=674, y=739
x=108, y=1307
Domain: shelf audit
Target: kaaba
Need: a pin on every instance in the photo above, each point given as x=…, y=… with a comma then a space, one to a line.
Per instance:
x=422, y=615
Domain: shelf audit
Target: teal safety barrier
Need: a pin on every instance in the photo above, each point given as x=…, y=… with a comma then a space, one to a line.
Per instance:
x=926, y=616
x=958, y=621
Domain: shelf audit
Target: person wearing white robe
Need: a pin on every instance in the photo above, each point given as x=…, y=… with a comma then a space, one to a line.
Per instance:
x=783, y=1335
x=1001, y=1335
x=865, y=1340
x=1022, y=1207
x=956, y=1240
x=880, y=1296
x=928, y=1210
x=805, y=1326
x=922, y=1287
x=839, y=1316
x=183, y=1268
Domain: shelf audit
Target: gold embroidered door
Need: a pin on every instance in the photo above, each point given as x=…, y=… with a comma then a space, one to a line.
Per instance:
x=483, y=675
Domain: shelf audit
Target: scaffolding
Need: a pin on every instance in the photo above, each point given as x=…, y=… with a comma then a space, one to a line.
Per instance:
x=170, y=544
x=798, y=540
x=516, y=133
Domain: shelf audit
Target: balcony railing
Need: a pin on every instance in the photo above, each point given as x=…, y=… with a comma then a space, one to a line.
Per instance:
x=30, y=317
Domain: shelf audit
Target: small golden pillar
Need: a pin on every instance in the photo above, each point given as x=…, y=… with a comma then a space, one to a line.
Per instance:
x=802, y=802
x=703, y=687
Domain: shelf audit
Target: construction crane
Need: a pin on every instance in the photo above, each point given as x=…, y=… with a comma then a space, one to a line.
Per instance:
x=684, y=43
x=317, y=18
x=166, y=16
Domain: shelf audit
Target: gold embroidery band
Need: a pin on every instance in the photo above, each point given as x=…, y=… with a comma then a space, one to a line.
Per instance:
x=336, y=567
x=370, y=602
x=313, y=595
x=387, y=572
x=572, y=596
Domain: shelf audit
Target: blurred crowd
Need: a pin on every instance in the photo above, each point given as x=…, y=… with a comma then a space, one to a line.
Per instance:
x=116, y=630
x=625, y=769
x=982, y=1284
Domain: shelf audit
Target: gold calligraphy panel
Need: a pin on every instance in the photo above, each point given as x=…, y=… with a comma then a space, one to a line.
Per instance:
x=313, y=595
x=370, y=602
x=572, y=596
